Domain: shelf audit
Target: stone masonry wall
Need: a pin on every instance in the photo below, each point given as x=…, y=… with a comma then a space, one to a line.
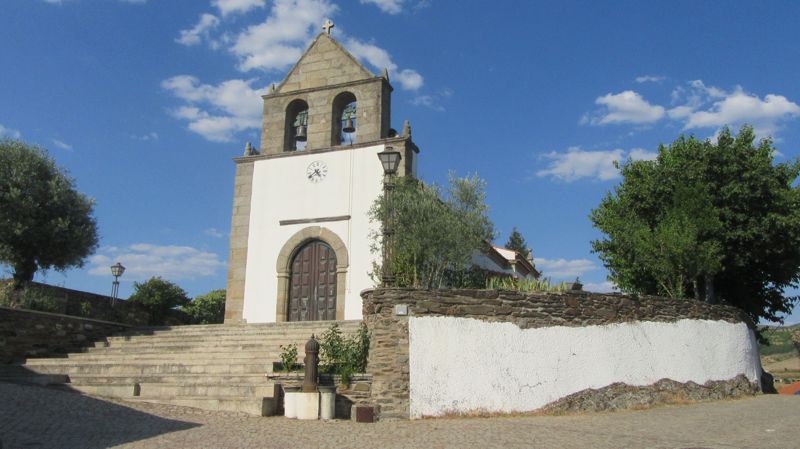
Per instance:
x=90, y=305
x=26, y=333
x=389, y=345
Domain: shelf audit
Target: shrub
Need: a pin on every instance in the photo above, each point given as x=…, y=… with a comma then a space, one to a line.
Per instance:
x=208, y=308
x=342, y=355
x=158, y=296
x=288, y=357
x=30, y=297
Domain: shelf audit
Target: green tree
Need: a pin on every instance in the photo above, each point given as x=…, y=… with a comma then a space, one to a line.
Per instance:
x=517, y=242
x=158, y=297
x=44, y=222
x=436, y=231
x=718, y=221
x=208, y=308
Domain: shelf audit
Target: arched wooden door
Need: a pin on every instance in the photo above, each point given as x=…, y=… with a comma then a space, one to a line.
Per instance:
x=312, y=287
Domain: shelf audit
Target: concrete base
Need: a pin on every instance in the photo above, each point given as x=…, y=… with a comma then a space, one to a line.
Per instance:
x=307, y=405
x=290, y=404
x=327, y=402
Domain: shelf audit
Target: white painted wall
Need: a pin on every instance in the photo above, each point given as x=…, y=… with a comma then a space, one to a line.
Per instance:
x=460, y=365
x=281, y=191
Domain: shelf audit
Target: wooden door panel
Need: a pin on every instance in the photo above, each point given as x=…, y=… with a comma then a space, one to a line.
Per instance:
x=312, y=290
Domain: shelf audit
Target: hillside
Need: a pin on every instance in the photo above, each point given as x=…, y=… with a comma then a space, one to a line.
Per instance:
x=781, y=357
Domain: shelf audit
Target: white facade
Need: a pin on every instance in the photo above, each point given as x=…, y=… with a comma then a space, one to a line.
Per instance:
x=281, y=191
x=461, y=365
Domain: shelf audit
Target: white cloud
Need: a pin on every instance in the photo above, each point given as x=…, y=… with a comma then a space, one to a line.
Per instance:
x=61, y=144
x=214, y=232
x=387, y=6
x=8, y=132
x=237, y=6
x=196, y=34
x=232, y=105
x=564, y=268
x=624, y=107
x=143, y=261
x=739, y=107
x=703, y=106
x=428, y=101
x=279, y=41
x=146, y=137
x=649, y=79
x=577, y=163
x=379, y=58
x=600, y=287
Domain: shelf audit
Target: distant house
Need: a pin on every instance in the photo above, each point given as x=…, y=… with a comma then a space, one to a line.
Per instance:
x=505, y=262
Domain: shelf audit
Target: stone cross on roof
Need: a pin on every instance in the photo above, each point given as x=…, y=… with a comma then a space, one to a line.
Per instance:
x=327, y=26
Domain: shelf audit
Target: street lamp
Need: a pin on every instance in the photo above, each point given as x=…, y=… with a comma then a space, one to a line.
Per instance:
x=116, y=270
x=390, y=160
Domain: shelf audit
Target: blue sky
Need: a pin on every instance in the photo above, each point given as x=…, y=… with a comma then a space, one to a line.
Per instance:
x=145, y=102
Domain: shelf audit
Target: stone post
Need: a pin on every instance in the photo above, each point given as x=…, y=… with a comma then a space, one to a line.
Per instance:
x=311, y=366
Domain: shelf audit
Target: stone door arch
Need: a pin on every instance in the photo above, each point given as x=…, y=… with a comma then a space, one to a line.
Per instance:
x=313, y=240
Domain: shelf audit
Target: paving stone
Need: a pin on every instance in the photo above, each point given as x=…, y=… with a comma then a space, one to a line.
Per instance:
x=35, y=417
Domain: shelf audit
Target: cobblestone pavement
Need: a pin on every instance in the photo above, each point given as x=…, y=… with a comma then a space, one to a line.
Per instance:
x=33, y=417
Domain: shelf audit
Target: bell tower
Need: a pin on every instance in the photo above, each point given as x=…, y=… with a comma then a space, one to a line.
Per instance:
x=326, y=90
x=300, y=231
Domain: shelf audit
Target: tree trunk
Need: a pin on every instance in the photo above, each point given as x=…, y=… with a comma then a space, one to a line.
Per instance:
x=23, y=274
x=696, y=288
x=711, y=294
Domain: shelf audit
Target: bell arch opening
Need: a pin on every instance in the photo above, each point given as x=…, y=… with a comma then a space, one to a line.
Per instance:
x=296, y=128
x=344, y=120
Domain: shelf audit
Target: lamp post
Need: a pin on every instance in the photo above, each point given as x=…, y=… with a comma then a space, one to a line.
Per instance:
x=390, y=160
x=116, y=270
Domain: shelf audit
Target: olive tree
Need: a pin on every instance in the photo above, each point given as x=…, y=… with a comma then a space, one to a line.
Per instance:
x=436, y=230
x=44, y=221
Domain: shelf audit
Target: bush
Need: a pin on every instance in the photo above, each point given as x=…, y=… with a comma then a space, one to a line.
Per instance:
x=342, y=355
x=158, y=297
x=30, y=297
x=208, y=308
x=288, y=357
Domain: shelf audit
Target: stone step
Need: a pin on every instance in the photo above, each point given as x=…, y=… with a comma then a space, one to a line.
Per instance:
x=266, y=339
x=113, y=390
x=272, y=328
x=249, y=405
x=187, y=379
x=179, y=389
x=179, y=348
x=262, y=355
x=139, y=369
x=153, y=359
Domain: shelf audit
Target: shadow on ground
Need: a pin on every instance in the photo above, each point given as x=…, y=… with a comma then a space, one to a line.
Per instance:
x=37, y=417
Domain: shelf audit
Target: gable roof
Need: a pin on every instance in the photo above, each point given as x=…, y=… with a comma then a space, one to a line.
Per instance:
x=325, y=62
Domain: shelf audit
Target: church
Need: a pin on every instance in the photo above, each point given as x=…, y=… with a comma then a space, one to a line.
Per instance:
x=300, y=246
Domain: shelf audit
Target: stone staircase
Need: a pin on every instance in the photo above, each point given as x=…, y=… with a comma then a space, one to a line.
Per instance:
x=212, y=367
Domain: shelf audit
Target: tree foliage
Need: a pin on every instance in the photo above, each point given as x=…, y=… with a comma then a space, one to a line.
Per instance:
x=718, y=221
x=517, y=242
x=208, y=308
x=158, y=297
x=436, y=230
x=44, y=222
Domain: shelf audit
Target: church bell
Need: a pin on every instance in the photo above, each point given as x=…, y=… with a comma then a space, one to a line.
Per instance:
x=348, y=126
x=300, y=133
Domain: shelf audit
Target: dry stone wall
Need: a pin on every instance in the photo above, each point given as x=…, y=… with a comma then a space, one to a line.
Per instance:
x=388, y=312
x=25, y=333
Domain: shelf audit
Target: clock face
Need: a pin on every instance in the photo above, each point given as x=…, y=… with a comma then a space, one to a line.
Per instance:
x=316, y=171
